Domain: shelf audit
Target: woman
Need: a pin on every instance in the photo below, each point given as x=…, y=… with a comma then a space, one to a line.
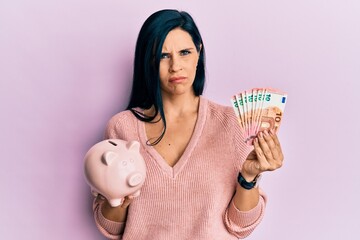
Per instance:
x=200, y=174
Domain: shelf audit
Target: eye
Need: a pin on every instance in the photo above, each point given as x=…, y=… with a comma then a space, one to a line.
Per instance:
x=184, y=52
x=164, y=56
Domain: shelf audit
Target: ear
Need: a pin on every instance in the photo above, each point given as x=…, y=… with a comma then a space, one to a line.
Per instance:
x=133, y=146
x=108, y=157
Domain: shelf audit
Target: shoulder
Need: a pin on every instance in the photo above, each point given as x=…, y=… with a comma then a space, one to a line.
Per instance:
x=224, y=114
x=119, y=124
x=121, y=117
x=216, y=107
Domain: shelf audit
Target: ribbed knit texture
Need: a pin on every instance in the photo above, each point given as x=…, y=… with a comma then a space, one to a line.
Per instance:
x=193, y=199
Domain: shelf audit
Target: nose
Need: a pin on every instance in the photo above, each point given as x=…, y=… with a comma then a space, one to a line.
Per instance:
x=175, y=64
x=135, y=179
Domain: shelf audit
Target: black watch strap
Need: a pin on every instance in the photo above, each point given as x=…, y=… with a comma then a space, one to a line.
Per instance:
x=247, y=185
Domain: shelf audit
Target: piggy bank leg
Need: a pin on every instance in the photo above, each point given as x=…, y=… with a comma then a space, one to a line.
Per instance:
x=116, y=202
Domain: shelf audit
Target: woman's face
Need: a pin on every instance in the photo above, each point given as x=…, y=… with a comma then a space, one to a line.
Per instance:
x=178, y=63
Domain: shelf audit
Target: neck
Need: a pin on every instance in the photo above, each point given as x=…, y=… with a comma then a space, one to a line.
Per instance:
x=180, y=105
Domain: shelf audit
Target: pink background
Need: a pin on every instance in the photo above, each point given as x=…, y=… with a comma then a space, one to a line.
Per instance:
x=65, y=69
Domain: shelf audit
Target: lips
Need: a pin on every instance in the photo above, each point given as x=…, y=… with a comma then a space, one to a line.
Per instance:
x=177, y=79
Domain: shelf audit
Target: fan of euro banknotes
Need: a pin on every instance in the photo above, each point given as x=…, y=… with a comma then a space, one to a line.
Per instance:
x=258, y=109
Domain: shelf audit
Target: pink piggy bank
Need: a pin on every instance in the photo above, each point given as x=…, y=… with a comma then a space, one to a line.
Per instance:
x=115, y=169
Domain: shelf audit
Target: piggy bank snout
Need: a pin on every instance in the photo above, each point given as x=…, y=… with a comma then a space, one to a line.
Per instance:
x=135, y=179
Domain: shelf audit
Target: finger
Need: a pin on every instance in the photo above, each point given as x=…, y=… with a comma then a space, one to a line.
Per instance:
x=274, y=148
x=100, y=197
x=277, y=143
x=275, y=138
x=265, y=147
x=126, y=202
x=262, y=164
x=276, y=161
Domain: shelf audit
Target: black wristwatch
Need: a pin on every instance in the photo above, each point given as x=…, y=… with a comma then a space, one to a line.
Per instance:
x=248, y=185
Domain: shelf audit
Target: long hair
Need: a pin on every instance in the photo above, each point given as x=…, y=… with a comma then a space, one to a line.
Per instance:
x=146, y=90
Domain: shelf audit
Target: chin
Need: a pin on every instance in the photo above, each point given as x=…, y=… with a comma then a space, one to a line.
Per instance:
x=179, y=92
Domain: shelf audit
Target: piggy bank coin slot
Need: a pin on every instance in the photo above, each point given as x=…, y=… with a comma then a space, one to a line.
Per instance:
x=111, y=142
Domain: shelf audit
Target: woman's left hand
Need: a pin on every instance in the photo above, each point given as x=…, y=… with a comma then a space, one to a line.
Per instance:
x=266, y=156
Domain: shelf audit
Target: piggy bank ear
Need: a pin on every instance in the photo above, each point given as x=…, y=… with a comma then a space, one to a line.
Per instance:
x=133, y=145
x=108, y=157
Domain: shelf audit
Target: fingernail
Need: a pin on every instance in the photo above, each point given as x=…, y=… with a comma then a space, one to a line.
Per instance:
x=266, y=132
x=261, y=135
x=272, y=131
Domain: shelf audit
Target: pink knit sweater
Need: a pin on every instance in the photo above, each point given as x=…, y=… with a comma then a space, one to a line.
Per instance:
x=193, y=199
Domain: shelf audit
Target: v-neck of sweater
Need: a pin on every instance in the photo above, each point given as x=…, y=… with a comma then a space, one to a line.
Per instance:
x=176, y=169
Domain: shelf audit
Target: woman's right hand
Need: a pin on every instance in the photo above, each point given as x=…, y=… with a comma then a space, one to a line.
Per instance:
x=117, y=214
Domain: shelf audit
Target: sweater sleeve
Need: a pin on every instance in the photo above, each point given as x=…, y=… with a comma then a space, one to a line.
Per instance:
x=110, y=229
x=240, y=223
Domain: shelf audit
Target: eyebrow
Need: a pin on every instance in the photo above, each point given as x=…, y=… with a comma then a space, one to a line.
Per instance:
x=184, y=49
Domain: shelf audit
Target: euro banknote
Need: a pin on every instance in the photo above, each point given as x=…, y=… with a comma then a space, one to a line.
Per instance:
x=258, y=109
